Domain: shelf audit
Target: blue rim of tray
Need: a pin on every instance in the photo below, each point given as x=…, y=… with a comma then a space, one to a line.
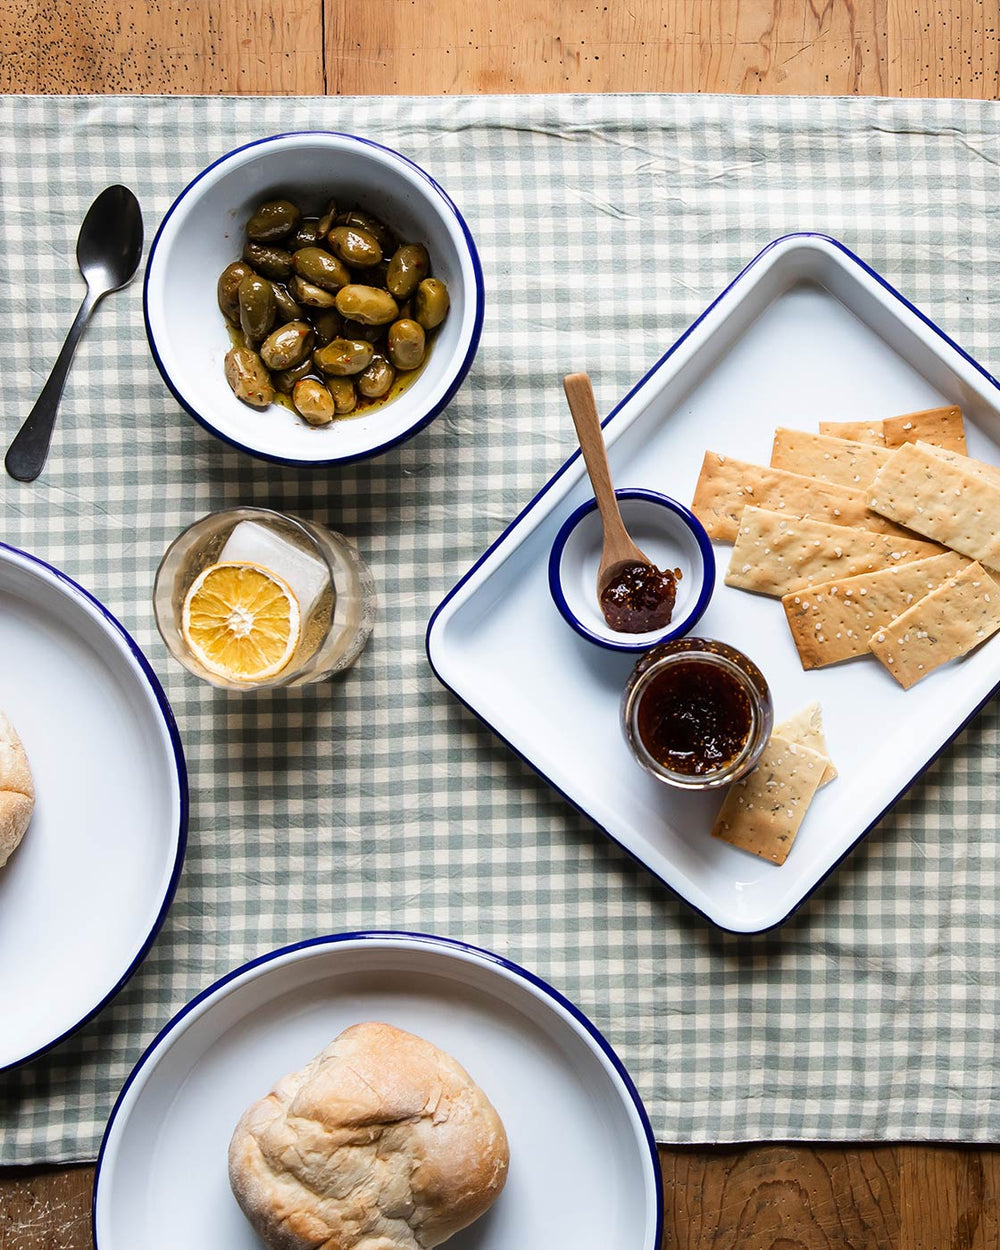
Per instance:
x=436, y=410
x=180, y=769
x=567, y=464
x=427, y=939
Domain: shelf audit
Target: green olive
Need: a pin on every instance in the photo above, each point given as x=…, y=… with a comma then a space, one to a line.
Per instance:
x=258, y=308
x=328, y=324
x=229, y=289
x=273, y=221
x=287, y=346
x=313, y=402
x=377, y=379
x=343, y=357
x=354, y=246
x=432, y=303
x=288, y=309
x=320, y=268
x=409, y=266
x=272, y=262
x=407, y=344
x=378, y=229
x=308, y=234
x=246, y=374
x=345, y=397
x=366, y=304
x=286, y=379
x=311, y=295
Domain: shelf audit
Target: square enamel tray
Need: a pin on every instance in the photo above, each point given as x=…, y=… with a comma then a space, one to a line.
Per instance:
x=806, y=332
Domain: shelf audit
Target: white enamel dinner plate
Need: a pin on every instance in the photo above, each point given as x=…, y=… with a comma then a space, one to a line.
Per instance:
x=807, y=332
x=583, y=1169
x=84, y=894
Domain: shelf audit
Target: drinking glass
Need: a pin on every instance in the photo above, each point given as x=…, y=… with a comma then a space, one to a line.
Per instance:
x=333, y=584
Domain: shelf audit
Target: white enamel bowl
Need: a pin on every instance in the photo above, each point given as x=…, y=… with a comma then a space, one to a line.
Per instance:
x=583, y=1167
x=83, y=895
x=203, y=232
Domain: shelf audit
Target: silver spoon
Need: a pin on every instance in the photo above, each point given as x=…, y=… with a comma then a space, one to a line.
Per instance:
x=108, y=252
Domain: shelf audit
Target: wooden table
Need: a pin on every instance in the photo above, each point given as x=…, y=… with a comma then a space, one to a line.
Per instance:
x=771, y=1197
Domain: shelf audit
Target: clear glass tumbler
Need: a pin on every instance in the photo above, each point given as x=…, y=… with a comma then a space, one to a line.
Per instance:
x=332, y=585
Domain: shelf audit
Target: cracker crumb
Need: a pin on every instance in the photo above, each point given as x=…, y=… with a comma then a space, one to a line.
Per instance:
x=907, y=425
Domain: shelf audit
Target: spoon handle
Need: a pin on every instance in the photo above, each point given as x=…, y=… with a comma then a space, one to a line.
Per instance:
x=26, y=454
x=583, y=408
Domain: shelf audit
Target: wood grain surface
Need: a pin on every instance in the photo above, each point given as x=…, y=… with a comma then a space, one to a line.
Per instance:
x=769, y=1197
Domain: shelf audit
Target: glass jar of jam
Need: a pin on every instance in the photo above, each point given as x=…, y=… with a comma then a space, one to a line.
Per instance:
x=696, y=713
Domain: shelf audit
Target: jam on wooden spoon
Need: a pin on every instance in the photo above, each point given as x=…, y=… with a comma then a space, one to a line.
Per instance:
x=635, y=596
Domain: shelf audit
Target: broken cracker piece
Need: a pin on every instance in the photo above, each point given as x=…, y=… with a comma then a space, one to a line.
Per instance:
x=805, y=727
x=762, y=813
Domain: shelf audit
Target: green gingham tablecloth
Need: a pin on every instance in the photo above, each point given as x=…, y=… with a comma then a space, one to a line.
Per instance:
x=605, y=225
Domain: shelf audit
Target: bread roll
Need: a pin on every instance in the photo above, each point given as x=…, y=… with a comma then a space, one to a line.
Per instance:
x=382, y=1142
x=17, y=791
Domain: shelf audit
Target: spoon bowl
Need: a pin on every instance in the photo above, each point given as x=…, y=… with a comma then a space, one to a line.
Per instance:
x=108, y=251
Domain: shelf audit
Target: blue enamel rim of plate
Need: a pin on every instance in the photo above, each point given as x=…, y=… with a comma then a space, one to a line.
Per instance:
x=394, y=936
x=421, y=422
x=563, y=468
x=676, y=628
x=182, y=789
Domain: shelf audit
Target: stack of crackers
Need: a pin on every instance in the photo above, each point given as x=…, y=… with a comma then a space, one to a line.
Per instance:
x=878, y=537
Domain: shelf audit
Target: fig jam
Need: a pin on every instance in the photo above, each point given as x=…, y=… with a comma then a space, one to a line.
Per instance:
x=640, y=598
x=694, y=717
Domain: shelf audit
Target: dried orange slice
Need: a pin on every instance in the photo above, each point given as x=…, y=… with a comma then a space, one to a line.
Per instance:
x=241, y=621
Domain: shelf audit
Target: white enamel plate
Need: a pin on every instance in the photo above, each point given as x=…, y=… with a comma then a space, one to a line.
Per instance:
x=583, y=1167
x=84, y=894
x=805, y=333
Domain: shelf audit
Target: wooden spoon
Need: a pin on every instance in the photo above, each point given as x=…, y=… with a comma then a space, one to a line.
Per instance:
x=618, y=550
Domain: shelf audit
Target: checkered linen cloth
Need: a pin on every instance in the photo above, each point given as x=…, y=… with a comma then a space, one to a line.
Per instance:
x=605, y=225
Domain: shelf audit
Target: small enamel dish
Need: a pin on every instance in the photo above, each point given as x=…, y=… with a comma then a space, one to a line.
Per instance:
x=669, y=534
x=583, y=1171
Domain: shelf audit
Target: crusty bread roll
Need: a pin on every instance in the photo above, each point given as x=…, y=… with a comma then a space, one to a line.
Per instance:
x=17, y=791
x=382, y=1142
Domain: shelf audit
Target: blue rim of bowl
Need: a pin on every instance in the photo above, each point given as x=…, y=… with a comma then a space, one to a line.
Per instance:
x=795, y=235
x=180, y=768
x=676, y=629
x=460, y=375
x=394, y=936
